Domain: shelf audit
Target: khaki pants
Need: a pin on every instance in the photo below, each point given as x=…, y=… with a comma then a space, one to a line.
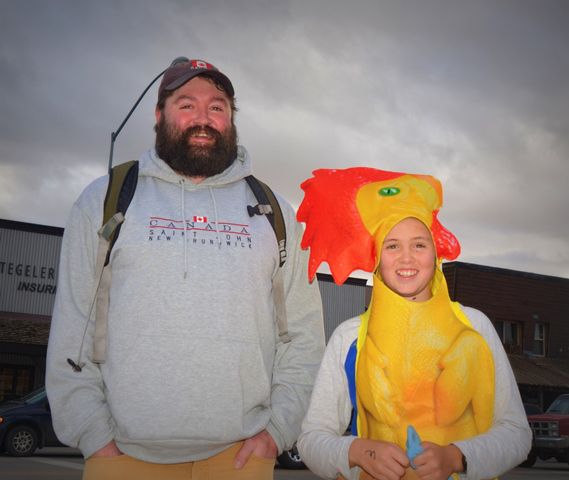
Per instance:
x=218, y=467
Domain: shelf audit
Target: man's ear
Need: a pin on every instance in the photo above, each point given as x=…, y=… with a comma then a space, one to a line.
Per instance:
x=157, y=115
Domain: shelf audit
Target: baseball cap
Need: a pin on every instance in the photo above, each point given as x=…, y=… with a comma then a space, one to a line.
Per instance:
x=181, y=72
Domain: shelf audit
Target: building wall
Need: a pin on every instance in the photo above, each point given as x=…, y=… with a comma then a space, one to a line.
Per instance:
x=29, y=258
x=340, y=302
x=511, y=296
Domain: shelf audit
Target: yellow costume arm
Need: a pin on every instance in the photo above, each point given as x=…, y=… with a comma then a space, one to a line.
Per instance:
x=467, y=375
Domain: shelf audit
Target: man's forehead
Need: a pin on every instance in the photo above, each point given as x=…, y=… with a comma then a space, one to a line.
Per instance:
x=189, y=96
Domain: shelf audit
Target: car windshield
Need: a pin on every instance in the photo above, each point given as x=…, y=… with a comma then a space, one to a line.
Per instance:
x=560, y=405
x=34, y=396
x=531, y=409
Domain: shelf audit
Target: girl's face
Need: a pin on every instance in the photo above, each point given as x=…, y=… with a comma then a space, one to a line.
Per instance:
x=407, y=260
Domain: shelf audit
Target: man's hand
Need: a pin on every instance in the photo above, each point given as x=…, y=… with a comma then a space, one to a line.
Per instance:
x=382, y=460
x=109, y=450
x=438, y=463
x=261, y=445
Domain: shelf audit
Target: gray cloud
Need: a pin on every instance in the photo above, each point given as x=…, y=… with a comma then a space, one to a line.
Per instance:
x=472, y=92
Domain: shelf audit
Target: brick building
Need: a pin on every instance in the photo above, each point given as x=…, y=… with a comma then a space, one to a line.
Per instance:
x=531, y=315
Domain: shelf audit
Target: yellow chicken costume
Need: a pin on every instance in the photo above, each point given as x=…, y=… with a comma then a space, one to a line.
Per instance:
x=417, y=363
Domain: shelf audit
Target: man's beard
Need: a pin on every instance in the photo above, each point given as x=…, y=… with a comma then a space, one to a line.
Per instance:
x=175, y=149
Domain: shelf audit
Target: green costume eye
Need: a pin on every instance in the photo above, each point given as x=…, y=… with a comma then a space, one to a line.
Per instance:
x=389, y=191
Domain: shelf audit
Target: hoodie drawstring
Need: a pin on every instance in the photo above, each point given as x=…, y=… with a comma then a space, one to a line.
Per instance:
x=182, y=189
x=216, y=217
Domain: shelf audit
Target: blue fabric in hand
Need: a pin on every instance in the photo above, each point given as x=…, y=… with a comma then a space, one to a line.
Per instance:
x=413, y=444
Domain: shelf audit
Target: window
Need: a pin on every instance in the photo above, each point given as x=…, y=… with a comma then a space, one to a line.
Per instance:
x=511, y=335
x=560, y=405
x=539, y=339
x=15, y=381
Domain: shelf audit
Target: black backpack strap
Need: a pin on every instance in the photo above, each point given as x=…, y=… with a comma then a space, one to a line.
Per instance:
x=268, y=205
x=122, y=185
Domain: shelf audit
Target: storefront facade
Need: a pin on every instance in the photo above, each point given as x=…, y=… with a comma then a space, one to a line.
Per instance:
x=29, y=257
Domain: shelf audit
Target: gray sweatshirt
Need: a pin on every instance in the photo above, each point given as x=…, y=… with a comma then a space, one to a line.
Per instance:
x=193, y=359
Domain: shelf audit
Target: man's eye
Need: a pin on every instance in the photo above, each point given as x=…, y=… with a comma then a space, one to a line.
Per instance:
x=217, y=109
x=185, y=107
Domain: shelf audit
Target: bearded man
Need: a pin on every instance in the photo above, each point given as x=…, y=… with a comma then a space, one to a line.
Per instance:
x=197, y=382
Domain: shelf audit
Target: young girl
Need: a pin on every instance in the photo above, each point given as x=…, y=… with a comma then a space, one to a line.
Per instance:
x=415, y=361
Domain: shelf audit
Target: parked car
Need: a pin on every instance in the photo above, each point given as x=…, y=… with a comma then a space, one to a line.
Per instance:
x=550, y=433
x=532, y=409
x=25, y=425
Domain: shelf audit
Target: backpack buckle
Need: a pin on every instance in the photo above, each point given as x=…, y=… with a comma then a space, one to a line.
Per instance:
x=259, y=210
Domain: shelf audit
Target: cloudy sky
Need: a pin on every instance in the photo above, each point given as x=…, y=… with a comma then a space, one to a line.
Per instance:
x=473, y=92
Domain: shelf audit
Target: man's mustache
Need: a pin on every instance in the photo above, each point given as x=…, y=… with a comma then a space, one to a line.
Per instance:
x=195, y=130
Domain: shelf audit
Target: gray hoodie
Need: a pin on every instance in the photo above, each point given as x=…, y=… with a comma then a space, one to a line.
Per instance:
x=193, y=359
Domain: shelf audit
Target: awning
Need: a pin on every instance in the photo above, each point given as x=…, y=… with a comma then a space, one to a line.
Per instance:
x=24, y=329
x=540, y=371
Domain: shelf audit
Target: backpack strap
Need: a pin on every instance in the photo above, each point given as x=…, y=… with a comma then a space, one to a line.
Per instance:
x=269, y=206
x=122, y=185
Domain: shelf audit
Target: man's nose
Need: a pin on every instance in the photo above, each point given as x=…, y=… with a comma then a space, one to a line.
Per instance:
x=201, y=116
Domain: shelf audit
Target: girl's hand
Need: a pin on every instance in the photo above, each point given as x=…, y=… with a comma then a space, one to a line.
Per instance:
x=381, y=460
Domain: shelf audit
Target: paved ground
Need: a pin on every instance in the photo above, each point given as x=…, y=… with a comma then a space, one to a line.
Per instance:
x=67, y=464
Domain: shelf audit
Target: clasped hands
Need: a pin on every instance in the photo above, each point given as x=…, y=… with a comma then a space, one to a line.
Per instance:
x=386, y=461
